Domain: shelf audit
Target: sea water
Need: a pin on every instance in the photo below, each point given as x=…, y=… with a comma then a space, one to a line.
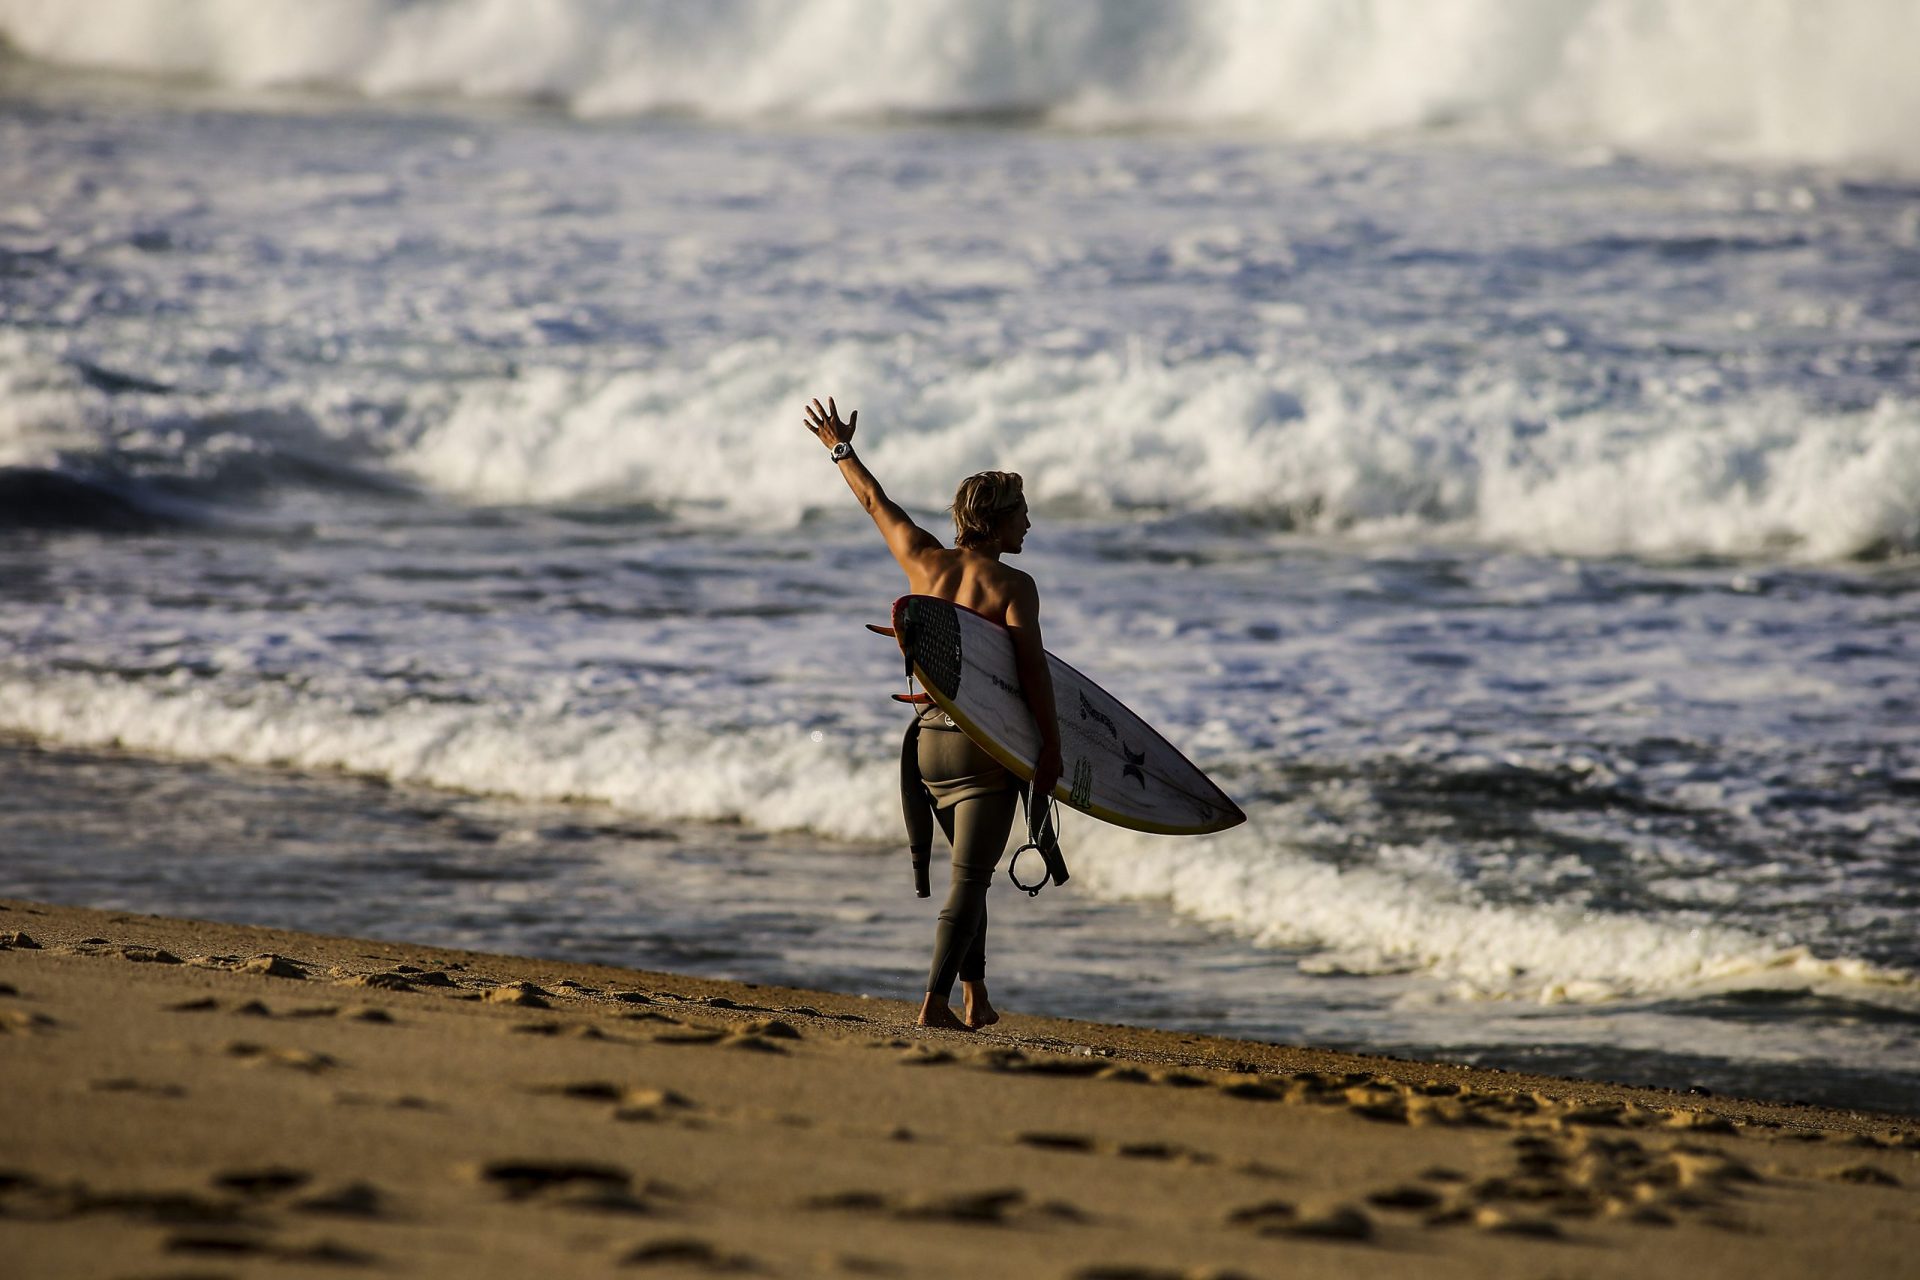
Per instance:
x=1495, y=459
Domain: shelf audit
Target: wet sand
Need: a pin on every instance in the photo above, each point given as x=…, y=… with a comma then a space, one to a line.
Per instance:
x=187, y=1098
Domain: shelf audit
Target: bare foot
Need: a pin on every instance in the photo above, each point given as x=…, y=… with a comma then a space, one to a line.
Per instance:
x=935, y=1013
x=980, y=1011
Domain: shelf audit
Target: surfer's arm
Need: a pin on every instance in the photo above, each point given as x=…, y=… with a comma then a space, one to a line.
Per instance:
x=1036, y=682
x=907, y=540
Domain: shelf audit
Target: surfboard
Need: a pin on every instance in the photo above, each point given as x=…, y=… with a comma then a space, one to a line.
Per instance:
x=1114, y=765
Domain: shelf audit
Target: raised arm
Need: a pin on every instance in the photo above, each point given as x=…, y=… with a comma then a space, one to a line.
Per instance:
x=1036, y=682
x=907, y=540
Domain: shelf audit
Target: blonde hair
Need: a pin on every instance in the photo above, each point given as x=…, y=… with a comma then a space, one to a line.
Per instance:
x=980, y=503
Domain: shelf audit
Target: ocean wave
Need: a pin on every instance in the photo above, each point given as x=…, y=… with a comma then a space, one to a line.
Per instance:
x=1345, y=920
x=44, y=498
x=83, y=445
x=1770, y=80
x=1363, y=920
x=1298, y=447
x=1281, y=445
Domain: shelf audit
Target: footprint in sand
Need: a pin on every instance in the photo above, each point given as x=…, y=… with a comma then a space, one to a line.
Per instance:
x=271, y=1180
x=1268, y=1217
x=854, y=1264
x=1253, y=1091
x=688, y=1252
x=579, y=1031
x=975, y=1208
x=1162, y=1151
x=148, y=955
x=1050, y=1066
x=1076, y=1142
x=752, y=1043
x=400, y=1102
x=25, y=1022
x=574, y=1184
x=1337, y=1222
x=1407, y=1196
x=235, y=1245
x=1125, y=1075
x=524, y=995
x=1281, y=1218
x=1506, y=1223
x=1863, y=1175
x=379, y=982
x=349, y=1200
x=631, y=1102
x=1079, y=1142
x=295, y=1059
x=979, y=1207
x=918, y=1055
x=1582, y=1174
x=771, y=1029
x=127, y=1084
x=272, y=966
x=28, y=1198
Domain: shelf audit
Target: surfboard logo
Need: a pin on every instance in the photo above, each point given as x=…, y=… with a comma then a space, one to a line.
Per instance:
x=1134, y=761
x=1090, y=712
x=1082, y=783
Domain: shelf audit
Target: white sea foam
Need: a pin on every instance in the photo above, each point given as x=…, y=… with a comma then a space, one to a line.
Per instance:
x=1300, y=444
x=777, y=779
x=1303, y=446
x=1768, y=79
x=1368, y=920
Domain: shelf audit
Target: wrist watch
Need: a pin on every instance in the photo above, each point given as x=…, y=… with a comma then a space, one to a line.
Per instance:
x=841, y=451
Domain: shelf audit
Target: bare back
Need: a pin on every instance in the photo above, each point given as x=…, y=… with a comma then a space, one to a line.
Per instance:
x=967, y=578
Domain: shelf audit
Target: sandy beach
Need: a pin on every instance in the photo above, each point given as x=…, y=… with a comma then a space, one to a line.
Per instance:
x=187, y=1098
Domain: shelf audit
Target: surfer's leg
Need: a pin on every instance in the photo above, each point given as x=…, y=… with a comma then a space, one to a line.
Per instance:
x=980, y=828
x=973, y=965
x=973, y=979
x=975, y=812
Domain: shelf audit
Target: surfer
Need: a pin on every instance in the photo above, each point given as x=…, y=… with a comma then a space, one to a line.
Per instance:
x=975, y=798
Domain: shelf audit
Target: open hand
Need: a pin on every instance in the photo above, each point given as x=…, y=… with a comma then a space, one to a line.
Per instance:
x=826, y=425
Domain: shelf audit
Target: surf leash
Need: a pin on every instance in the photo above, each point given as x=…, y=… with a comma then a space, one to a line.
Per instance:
x=1043, y=840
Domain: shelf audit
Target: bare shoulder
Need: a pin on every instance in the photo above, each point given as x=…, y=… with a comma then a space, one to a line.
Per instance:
x=1017, y=582
x=1019, y=596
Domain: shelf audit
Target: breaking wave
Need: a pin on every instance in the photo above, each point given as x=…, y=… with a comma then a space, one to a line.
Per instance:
x=675, y=768
x=1770, y=80
x=1294, y=447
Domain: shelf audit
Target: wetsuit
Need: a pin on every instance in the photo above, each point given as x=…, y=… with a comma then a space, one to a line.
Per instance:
x=975, y=800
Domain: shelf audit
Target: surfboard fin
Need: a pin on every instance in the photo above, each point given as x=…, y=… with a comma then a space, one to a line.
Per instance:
x=913, y=699
x=879, y=630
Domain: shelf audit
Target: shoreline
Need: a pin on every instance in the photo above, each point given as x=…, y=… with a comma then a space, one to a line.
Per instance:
x=505, y=1115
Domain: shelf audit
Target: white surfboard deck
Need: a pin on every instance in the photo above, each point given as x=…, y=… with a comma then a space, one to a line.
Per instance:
x=1114, y=766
